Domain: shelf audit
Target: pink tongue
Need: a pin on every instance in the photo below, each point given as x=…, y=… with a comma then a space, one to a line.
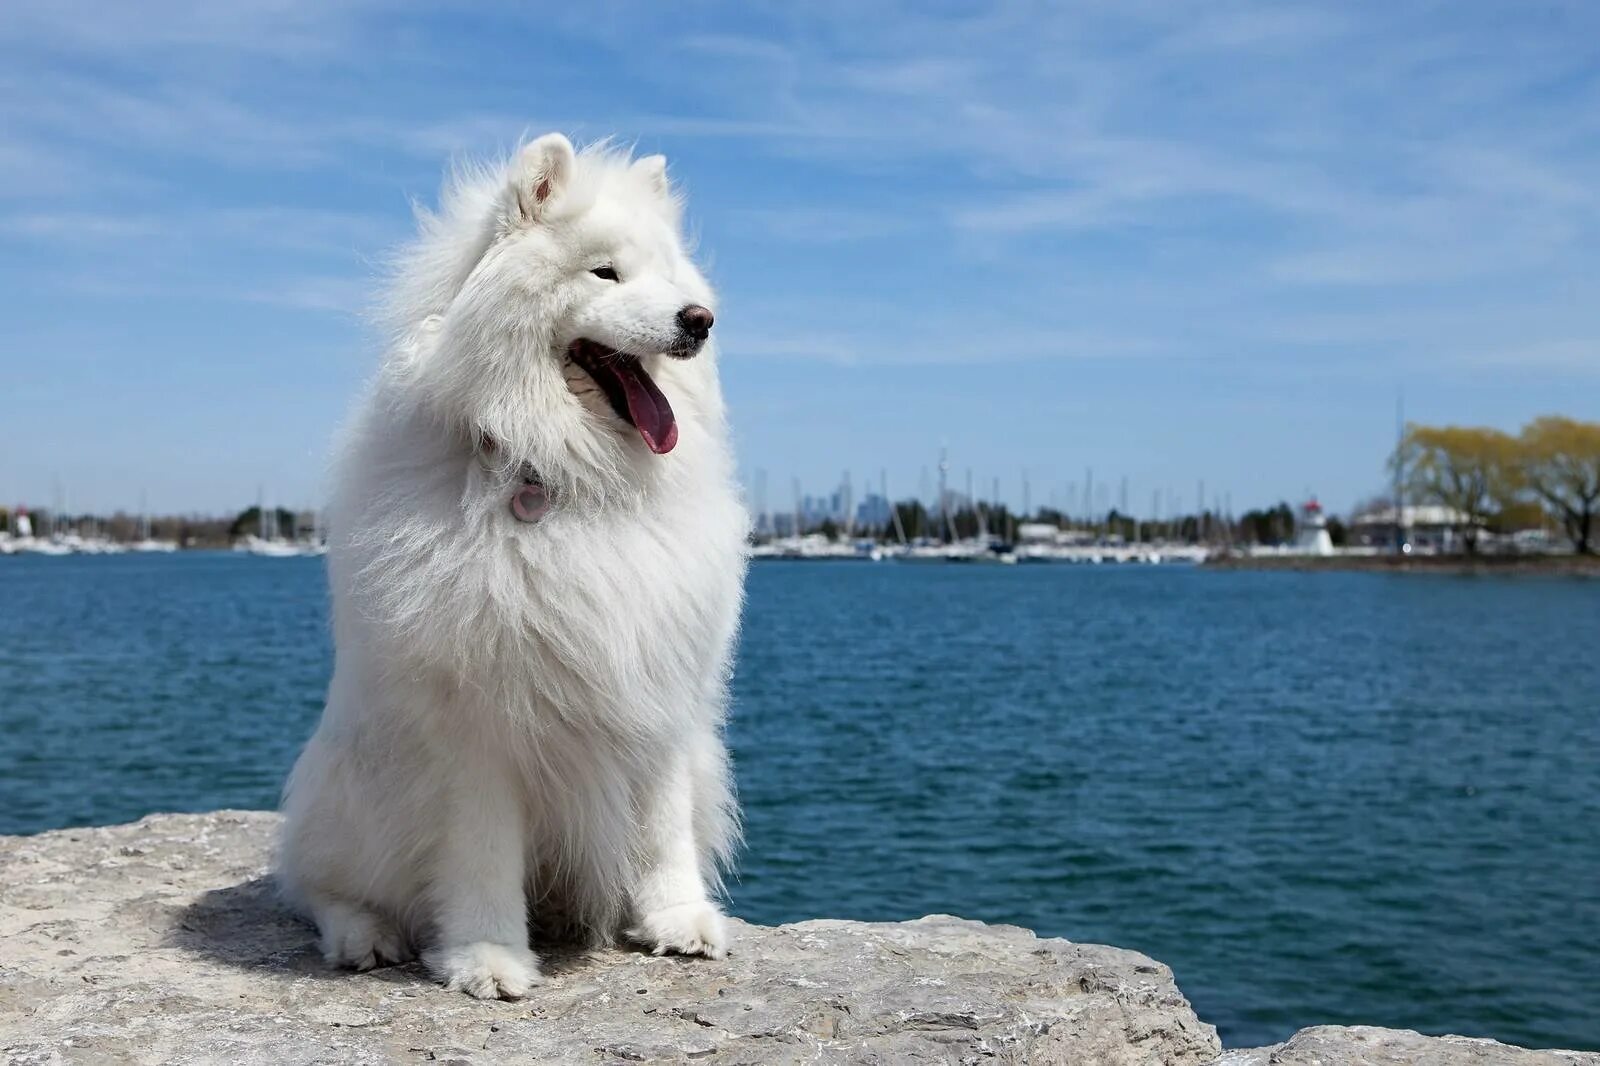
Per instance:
x=649, y=409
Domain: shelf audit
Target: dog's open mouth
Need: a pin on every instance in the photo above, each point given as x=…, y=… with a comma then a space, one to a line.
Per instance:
x=633, y=394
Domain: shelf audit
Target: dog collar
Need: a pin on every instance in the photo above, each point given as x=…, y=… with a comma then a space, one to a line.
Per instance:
x=531, y=500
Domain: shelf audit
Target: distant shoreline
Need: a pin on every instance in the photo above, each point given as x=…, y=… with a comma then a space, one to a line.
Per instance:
x=1544, y=565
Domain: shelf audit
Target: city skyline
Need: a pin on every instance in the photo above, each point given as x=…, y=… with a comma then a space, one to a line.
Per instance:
x=865, y=497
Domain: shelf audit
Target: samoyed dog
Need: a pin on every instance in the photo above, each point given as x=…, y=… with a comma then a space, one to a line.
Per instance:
x=537, y=561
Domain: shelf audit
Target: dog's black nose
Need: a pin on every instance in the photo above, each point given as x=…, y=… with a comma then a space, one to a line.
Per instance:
x=696, y=320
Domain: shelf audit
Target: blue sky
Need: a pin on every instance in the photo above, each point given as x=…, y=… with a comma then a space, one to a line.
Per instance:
x=1167, y=241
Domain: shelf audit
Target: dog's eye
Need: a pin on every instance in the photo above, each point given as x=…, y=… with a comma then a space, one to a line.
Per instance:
x=605, y=273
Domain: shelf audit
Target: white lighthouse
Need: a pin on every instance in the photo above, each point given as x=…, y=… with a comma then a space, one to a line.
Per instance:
x=1312, y=536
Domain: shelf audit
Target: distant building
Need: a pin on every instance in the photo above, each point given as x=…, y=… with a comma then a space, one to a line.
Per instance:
x=872, y=512
x=1429, y=527
x=1047, y=533
x=1037, y=533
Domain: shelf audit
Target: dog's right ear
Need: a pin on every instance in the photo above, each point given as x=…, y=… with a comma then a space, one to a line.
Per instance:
x=541, y=171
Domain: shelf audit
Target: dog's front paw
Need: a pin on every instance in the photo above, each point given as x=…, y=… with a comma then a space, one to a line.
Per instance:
x=686, y=929
x=359, y=939
x=484, y=970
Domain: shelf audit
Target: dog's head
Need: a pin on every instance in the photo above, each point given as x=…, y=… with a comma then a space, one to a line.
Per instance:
x=574, y=304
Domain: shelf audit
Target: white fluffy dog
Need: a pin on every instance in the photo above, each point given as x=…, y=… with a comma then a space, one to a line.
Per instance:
x=537, y=561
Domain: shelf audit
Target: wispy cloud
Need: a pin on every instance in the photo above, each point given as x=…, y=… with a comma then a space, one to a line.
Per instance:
x=822, y=225
x=78, y=226
x=1248, y=192
x=266, y=28
x=297, y=228
x=1576, y=357
x=341, y=295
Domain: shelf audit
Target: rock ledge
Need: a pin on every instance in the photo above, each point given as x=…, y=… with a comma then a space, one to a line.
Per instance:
x=162, y=942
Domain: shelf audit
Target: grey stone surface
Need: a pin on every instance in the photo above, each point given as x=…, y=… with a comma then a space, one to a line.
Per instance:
x=162, y=942
x=1365, y=1045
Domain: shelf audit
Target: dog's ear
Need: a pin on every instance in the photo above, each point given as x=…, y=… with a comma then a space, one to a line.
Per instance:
x=653, y=169
x=541, y=171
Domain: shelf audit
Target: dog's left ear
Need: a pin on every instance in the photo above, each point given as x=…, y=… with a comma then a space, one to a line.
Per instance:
x=541, y=171
x=653, y=169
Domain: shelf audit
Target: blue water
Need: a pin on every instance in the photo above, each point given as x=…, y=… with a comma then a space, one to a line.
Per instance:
x=1319, y=797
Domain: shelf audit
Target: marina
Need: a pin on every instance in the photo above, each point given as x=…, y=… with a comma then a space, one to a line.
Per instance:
x=817, y=547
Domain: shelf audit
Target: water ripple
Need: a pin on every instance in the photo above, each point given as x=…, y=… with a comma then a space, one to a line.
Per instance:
x=1320, y=798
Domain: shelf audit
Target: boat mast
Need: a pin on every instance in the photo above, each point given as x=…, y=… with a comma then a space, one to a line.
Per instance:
x=1400, y=537
x=899, y=527
x=944, y=496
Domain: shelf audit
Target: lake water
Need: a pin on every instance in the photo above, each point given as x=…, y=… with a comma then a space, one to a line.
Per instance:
x=1320, y=798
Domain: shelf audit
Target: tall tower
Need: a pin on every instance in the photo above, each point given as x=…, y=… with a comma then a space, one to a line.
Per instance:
x=1312, y=536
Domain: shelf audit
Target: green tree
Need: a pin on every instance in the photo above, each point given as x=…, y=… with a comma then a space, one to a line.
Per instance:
x=1121, y=525
x=913, y=519
x=1520, y=514
x=1473, y=471
x=1273, y=526
x=1560, y=464
x=280, y=523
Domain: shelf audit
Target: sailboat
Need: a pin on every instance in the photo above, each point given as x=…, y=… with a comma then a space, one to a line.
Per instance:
x=266, y=542
x=24, y=539
x=317, y=545
x=147, y=543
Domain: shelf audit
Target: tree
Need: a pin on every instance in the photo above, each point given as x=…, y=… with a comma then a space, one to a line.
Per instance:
x=1560, y=463
x=1273, y=526
x=913, y=519
x=280, y=523
x=1121, y=525
x=1470, y=470
x=1520, y=514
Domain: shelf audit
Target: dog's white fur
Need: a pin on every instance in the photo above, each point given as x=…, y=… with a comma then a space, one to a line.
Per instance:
x=526, y=719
